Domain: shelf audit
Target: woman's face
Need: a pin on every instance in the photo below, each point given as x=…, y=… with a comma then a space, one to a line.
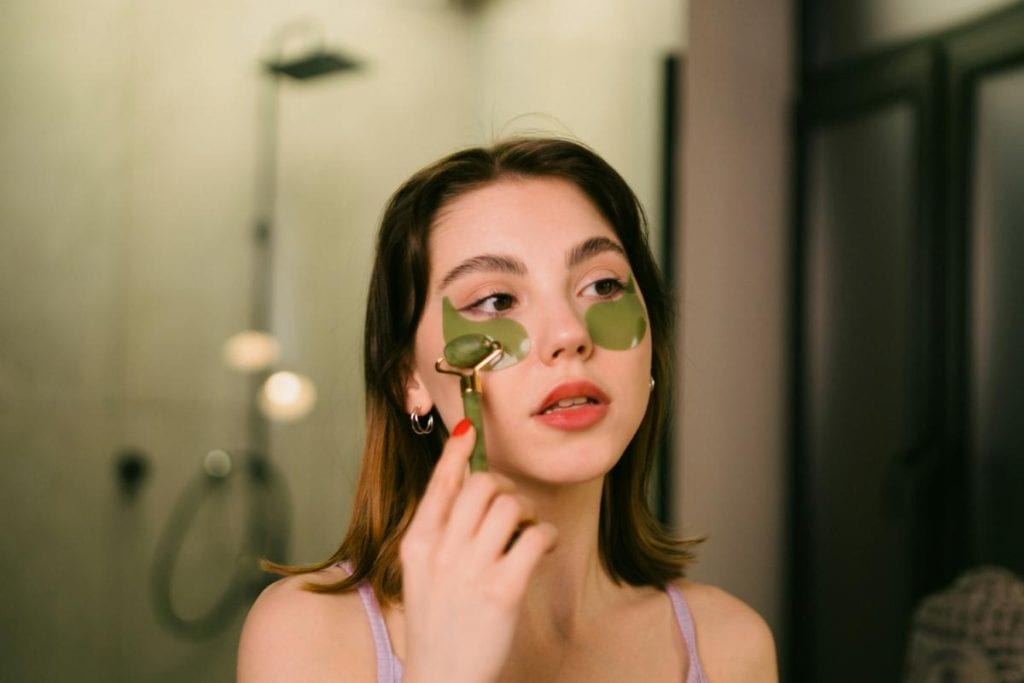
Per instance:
x=537, y=252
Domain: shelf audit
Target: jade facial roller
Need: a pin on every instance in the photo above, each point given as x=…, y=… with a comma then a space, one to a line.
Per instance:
x=466, y=356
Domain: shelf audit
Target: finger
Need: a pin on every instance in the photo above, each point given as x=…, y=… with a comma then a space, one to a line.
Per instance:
x=446, y=480
x=473, y=504
x=517, y=565
x=507, y=518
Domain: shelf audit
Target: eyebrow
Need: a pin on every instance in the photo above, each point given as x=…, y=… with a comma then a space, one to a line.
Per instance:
x=485, y=263
x=498, y=263
x=591, y=248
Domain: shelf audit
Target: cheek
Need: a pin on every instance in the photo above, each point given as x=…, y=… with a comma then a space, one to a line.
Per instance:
x=443, y=389
x=640, y=378
x=425, y=353
x=429, y=347
x=448, y=401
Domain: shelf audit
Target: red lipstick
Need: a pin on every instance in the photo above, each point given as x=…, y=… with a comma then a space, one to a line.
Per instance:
x=573, y=406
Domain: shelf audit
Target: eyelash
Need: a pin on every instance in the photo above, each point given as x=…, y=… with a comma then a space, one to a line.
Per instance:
x=478, y=306
x=618, y=287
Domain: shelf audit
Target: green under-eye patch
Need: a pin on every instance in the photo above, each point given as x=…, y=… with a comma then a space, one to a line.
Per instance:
x=511, y=334
x=620, y=324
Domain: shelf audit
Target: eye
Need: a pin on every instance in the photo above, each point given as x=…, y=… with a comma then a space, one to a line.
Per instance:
x=605, y=288
x=492, y=305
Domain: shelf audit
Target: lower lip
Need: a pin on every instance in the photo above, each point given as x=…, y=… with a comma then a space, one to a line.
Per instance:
x=575, y=419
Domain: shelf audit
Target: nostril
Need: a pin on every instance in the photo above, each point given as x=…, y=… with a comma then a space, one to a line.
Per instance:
x=580, y=350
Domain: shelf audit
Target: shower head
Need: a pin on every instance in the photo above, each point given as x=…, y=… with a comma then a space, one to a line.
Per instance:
x=312, y=65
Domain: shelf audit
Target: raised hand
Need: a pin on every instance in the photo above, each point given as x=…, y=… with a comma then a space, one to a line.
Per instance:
x=462, y=584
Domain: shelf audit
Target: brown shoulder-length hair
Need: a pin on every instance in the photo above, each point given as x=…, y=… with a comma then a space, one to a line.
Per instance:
x=397, y=464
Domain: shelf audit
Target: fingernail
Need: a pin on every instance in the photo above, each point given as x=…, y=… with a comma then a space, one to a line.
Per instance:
x=462, y=427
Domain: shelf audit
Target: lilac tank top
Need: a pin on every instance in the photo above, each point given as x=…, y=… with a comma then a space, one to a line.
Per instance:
x=389, y=669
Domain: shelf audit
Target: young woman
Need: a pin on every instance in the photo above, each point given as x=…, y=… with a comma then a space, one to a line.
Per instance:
x=549, y=566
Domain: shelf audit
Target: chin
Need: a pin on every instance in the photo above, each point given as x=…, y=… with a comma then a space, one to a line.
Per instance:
x=558, y=463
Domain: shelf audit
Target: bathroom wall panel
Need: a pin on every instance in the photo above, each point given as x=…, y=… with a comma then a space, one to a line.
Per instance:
x=128, y=135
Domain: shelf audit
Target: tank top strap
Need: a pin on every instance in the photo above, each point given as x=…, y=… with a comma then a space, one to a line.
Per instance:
x=695, y=674
x=389, y=669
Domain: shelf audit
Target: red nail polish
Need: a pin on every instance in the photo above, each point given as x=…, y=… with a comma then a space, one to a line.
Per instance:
x=462, y=427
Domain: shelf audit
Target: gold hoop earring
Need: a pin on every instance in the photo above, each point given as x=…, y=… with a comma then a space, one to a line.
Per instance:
x=419, y=427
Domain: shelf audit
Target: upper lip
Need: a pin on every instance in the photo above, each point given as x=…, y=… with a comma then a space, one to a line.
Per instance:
x=572, y=389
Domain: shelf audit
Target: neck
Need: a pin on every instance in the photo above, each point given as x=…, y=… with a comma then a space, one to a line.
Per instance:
x=570, y=583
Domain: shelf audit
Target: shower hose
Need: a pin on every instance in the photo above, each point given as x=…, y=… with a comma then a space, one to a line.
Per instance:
x=266, y=535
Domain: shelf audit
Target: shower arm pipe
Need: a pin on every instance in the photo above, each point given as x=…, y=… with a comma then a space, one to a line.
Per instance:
x=267, y=142
x=265, y=203
x=263, y=242
x=274, y=67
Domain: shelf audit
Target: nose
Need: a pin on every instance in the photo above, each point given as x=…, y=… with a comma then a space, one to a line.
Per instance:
x=564, y=334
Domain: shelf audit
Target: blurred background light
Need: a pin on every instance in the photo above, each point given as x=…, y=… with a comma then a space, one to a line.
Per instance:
x=287, y=396
x=250, y=350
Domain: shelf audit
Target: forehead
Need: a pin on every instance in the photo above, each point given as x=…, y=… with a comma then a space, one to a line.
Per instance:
x=533, y=218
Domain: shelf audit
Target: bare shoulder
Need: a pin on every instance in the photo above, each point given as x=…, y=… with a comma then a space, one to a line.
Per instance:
x=293, y=634
x=733, y=641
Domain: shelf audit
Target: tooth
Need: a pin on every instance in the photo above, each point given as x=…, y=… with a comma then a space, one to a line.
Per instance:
x=570, y=402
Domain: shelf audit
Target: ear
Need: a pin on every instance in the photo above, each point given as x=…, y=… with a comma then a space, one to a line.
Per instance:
x=416, y=395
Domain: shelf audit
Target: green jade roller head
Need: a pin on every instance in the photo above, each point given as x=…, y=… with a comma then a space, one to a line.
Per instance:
x=466, y=356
